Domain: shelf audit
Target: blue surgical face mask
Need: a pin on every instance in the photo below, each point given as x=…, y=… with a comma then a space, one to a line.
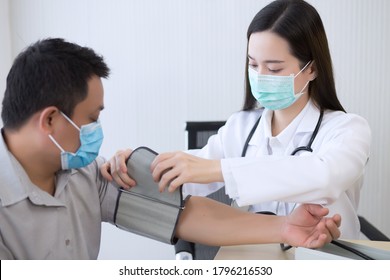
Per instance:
x=274, y=92
x=91, y=138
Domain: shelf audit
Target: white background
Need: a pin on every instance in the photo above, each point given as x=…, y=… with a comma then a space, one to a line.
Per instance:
x=174, y=61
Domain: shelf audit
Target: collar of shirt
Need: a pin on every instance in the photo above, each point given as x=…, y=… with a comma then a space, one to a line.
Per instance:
x=302, y=124
x=16, y=186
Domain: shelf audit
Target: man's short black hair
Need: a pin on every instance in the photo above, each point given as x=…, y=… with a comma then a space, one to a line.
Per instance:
x=50, y=72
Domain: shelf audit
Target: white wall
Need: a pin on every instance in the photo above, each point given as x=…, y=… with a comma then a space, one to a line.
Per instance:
x=360, y=41
x=176, y=60
x=5, y=46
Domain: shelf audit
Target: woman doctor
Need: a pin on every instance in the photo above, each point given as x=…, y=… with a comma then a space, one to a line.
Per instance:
x=292, y=142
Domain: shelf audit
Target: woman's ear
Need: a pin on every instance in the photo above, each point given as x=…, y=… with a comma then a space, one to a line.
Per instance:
x=312, y=70
x=48, y=118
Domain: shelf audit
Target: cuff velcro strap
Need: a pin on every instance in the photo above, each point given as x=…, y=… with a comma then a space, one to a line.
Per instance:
x=143, y=210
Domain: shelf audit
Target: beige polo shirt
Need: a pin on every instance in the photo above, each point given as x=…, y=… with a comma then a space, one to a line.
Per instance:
x=36, y=225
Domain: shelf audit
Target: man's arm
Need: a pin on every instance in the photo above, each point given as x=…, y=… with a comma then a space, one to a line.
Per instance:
x=212, y=223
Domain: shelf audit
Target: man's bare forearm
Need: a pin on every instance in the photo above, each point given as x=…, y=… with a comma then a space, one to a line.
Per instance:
x=212, y=223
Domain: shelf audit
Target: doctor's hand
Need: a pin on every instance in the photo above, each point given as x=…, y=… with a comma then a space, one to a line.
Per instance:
x=116, y=170
x=176, y=168
x=308, y=227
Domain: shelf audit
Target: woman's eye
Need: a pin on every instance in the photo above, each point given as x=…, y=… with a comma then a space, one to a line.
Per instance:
x=253, y=66
x=274, y=70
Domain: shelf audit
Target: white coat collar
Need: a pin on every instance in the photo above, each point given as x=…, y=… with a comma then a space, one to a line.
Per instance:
x=310, y=119
x=304, y=122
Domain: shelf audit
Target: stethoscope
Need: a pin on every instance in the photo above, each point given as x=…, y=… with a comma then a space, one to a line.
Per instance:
x=301, y=148
x=307, y=148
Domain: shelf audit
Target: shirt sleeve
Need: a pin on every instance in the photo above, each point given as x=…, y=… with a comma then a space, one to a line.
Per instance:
x=337, y=163
x=108, y=193
x=228, y=142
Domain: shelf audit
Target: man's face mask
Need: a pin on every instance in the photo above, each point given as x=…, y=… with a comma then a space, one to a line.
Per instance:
x=274, y=92
x=91, y=138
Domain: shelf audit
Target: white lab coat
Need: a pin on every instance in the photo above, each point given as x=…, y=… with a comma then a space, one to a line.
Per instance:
x=270, y=179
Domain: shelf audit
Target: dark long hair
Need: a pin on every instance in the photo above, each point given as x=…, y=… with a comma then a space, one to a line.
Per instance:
x=301, y=26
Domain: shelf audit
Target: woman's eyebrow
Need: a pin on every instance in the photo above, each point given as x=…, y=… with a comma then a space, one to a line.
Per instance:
x=273, y=61
x=268, y=61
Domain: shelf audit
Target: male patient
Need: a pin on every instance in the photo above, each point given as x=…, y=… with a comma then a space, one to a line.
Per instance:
x=52, y=195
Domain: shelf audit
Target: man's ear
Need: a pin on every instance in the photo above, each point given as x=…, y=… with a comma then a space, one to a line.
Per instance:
x=47, y=119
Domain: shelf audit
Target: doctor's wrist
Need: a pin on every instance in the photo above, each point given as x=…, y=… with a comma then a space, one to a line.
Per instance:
x=216, y=171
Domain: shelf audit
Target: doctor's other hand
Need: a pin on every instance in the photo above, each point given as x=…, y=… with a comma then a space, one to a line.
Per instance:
x=176, y=168
x=308, y=227
x=115, y=169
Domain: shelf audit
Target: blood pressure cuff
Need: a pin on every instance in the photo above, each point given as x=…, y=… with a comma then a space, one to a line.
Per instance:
x=143, y=210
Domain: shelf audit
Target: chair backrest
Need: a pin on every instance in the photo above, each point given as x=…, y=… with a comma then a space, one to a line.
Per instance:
x=199, y=132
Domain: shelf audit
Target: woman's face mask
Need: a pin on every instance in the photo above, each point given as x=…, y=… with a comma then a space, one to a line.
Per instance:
x=274, y=92
x=91, y=138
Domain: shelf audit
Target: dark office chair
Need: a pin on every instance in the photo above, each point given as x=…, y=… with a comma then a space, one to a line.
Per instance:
x=198, y=134
x=370, y=231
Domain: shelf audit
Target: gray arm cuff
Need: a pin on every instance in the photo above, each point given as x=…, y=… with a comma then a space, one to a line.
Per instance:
x=143, y=209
